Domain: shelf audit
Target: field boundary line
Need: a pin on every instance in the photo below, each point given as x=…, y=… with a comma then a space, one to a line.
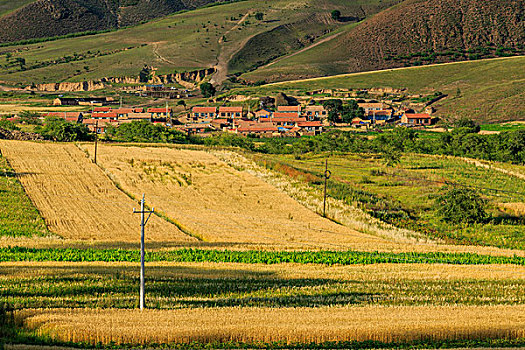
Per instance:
x=160, y=214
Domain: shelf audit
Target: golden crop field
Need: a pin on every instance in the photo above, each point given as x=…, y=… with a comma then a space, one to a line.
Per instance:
x=214, y=201
x=76, y=198
x=289, y=325
x=207, y=270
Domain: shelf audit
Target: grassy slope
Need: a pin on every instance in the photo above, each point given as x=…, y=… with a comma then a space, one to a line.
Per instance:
x=7, y=6
x=18, y=216
x=491, y=90
x=431, y=24
x=412, y=187
x=185, y=41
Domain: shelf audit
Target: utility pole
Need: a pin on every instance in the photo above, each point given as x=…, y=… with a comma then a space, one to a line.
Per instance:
x=143, y=223
x=327, y=174
x=96, y=140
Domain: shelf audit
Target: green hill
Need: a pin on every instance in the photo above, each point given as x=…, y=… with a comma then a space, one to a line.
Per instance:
x=7, y=6
x=415, y=32
x=203, y=38
x=20, y=20
x=491, y=90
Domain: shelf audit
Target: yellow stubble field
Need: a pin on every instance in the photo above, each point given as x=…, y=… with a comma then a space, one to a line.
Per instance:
x=218, y=203
x=76, y=198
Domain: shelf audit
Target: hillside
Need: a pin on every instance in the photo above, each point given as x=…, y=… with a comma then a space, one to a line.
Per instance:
x=44, y=18
x=415, y=32
x=490, y=90
x=203, y=38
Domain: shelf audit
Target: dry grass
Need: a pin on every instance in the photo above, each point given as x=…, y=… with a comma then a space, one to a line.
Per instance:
x=514, y=208
x=221, y=204
x=303, y=325
x=76, y=198
x=376, y=272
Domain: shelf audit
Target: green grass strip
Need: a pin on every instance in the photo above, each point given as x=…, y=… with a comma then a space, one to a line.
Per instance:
x=254, y=257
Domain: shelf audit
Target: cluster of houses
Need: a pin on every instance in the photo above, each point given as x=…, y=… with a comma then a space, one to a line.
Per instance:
x=285, y=121
x=291, y=121
x=101, y=117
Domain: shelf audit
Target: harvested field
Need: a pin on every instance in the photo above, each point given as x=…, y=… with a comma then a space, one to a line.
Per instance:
x=289, y=325
x=221, y=204
x=75, y=197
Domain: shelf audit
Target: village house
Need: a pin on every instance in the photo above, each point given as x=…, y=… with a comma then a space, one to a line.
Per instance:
x=99, y=126
x=197, y=128
x=102, y=109
x=72, y=117
x=379, y=117
x=314, y=112
x=137, y=116
x=160, y=113
x=416, y=119
x=263, y=114
x=369, y=107
x=286, y=119
x=220, y=124
x=289, y=109
x=83, y=101
x=360, y=122
x=203, y=113
x=264, y=129
x=230, y=112
x=122, y=113
x=104, y=116
x=310, y=128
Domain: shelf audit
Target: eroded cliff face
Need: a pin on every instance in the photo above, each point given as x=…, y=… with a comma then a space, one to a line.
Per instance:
x=187, y=79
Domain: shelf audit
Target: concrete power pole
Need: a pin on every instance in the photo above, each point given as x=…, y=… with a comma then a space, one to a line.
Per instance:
x=327, y=175
x=96, y=140
x=143, y=222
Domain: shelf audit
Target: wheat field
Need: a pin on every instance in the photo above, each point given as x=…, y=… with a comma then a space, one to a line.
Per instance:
x=75, y=197
x=289, y=325
x=218, y=203
x=207, y=270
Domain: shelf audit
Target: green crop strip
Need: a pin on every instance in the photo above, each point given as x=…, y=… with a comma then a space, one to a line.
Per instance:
x=18, y=216
x=254, y=257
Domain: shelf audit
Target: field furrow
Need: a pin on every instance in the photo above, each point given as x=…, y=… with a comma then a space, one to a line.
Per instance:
x=76, y=198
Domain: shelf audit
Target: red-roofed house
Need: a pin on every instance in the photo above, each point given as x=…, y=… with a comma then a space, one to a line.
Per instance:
x=416, y=119
x=203, y=113
x=311, y=127
x=160, y=114
x=102, y=109
x=262, y=129
x=230, y=112
x=289, y=109
x=122, y=113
